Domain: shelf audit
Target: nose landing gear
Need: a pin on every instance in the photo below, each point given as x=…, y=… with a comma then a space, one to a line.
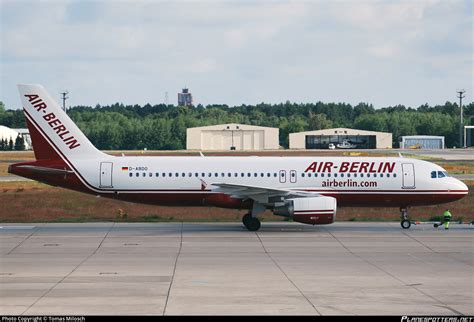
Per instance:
x=405, y=221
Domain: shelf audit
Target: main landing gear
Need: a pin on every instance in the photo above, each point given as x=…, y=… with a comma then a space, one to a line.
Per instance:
x=251, y=223
x=250, y=220
x=405, y=221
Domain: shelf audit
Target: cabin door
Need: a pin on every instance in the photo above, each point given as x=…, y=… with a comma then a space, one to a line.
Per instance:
x=408, y=171
x=106, y=174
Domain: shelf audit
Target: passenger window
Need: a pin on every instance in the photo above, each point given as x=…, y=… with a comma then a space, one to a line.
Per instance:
x=315, y=175
x=433, y=174
x=137, y=174
x=183, y=174
x=335, y=175
x=302, y=175
x=394, y=175
x=144, y=174
x=342, y=175
x=268, y=174
x=157, y=174
x=242, y=174
x=150, y=174
x=190, y=174
x=130, y=174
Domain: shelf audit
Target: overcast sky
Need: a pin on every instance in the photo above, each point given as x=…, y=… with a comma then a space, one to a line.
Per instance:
x=239, y=52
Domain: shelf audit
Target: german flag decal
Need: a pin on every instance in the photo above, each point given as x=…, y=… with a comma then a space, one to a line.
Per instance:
x=124, y=168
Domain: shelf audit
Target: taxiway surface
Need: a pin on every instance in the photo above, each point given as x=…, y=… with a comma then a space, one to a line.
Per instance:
x=220, y=268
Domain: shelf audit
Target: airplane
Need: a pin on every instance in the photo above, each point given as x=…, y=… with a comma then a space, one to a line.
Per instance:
x=305, y=189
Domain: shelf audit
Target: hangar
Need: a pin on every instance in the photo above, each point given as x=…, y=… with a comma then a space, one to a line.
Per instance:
x=232, y=137
x=422, y=142
x=341, y=138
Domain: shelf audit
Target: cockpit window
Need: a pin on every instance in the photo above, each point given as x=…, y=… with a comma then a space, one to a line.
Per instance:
x=442, y=174
x=439, y=174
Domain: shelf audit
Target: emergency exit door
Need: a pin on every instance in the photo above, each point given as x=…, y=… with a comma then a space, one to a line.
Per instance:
x=408, y=170
x=106, y=174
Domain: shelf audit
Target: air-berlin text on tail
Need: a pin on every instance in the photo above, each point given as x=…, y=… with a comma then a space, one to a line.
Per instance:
x=351, y=167
x=53, y=121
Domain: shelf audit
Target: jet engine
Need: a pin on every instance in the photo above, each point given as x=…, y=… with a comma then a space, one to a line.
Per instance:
x=313, y=210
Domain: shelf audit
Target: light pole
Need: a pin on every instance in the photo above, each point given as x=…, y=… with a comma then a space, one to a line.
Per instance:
x=461, y=124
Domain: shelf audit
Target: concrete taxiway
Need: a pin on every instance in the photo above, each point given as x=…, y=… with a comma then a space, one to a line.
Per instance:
x=220, y=268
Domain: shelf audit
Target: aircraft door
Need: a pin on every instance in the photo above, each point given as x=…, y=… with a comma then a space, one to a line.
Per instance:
x=106, y=174
x=282, y=176
x=408, y=171
x=293, y=176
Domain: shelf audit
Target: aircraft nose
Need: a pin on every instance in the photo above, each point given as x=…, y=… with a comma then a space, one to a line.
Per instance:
x=460, y=186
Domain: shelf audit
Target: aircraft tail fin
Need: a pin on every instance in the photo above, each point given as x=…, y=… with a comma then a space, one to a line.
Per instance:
x=53, y=134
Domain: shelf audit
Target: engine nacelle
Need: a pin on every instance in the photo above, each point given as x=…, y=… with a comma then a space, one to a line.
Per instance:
x=313, y=211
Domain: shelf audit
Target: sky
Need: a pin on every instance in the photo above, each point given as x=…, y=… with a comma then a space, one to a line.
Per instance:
x=383, y=53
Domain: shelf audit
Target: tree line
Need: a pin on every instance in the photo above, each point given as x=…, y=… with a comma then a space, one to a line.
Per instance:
x=163, y=127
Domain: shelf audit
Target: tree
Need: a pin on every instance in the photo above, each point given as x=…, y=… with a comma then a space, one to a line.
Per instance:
x=19, y=143
x=10, y=144
x=319, y=122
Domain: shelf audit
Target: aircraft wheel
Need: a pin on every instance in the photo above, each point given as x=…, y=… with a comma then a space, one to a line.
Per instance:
x=253, y=224
x=405, y=224
x=246, y=218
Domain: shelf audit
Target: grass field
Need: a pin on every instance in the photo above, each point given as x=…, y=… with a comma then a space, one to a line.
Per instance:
x=36, y=202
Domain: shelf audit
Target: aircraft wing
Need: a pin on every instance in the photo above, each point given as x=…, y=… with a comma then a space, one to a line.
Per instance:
x=259, y=194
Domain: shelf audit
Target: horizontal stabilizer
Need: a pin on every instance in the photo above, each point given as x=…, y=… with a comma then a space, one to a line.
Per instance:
x=45, y=170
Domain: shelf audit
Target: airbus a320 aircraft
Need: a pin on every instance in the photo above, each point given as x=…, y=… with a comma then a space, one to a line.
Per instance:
x=306, y=189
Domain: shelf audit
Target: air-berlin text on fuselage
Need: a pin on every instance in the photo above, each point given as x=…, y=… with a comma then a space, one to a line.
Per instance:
x=53, y=121
x=351, y=167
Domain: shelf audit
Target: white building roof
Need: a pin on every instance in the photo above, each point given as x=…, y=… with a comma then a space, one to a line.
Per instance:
x=231, y=126
x=7, y=133
x=341, y=131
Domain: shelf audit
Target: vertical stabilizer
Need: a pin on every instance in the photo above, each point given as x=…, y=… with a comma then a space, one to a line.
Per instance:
x=53, y=133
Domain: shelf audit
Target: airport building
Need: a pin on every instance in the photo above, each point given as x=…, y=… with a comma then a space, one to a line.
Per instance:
x=341, y=138
x=239, y=137
x=422, y=142
x=7, y=133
